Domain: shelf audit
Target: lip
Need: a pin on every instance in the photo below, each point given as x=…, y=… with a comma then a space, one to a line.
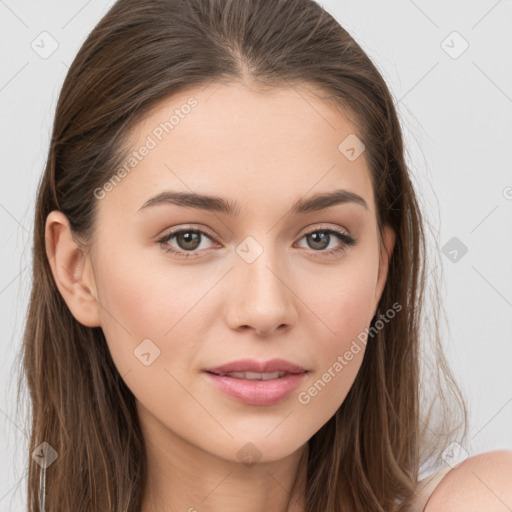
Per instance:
x=251, y=365
x=257, y=392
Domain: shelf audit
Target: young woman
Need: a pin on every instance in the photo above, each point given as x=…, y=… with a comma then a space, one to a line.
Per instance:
x=229, y=274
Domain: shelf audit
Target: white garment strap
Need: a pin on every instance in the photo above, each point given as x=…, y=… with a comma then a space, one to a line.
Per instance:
x=42, y=488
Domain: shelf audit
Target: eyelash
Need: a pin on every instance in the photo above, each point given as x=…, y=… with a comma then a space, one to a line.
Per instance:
x=346, y=240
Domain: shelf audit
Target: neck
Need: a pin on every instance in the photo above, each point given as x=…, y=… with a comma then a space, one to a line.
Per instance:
x=182, y=477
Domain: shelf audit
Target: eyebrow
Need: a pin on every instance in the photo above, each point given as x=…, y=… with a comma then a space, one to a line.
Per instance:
x=219, y=204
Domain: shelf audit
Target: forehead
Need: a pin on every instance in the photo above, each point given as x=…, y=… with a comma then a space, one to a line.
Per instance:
x=243, y=143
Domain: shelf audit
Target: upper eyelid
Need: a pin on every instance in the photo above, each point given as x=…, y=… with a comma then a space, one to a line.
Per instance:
x=175, y=231
x=323, y=227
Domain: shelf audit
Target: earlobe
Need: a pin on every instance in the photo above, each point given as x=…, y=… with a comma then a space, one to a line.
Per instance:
x=72, y=270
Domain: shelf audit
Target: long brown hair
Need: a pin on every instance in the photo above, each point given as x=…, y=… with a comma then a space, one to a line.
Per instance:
x=367, y=456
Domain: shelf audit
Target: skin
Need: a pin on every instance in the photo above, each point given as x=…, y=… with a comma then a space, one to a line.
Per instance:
x=481, y=482
x=292, y=302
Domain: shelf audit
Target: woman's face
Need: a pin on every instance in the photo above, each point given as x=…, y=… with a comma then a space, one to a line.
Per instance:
x=266, y=281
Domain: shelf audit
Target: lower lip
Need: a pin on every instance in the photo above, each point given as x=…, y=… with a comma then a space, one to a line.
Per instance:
x=257, y=392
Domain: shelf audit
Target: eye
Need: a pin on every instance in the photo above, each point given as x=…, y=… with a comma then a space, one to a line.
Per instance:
x=188, y=241
x=319, y=240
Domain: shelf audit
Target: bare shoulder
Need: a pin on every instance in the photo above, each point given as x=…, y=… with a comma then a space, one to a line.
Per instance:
x=481, y=482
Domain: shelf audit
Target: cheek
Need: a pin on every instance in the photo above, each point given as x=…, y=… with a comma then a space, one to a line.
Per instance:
x=148, y=321
x=342, y=300
x=343, y=309
x=139, y=302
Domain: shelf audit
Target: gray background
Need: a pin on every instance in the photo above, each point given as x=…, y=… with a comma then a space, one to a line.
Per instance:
x=456, y=113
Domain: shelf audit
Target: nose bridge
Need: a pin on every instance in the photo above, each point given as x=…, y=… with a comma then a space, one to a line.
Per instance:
x=263, y=300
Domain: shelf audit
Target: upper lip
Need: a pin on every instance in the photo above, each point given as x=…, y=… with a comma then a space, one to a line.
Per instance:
x=250, y=365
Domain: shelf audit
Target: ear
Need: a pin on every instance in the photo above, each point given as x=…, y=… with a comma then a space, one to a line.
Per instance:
x=72, y=270
x=388, y=243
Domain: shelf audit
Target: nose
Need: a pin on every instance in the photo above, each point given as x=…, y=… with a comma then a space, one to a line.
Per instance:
x=263, y=299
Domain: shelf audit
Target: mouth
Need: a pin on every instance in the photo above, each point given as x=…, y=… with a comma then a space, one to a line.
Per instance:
x=252, y=369
x=255, y=375
x=256, y=388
